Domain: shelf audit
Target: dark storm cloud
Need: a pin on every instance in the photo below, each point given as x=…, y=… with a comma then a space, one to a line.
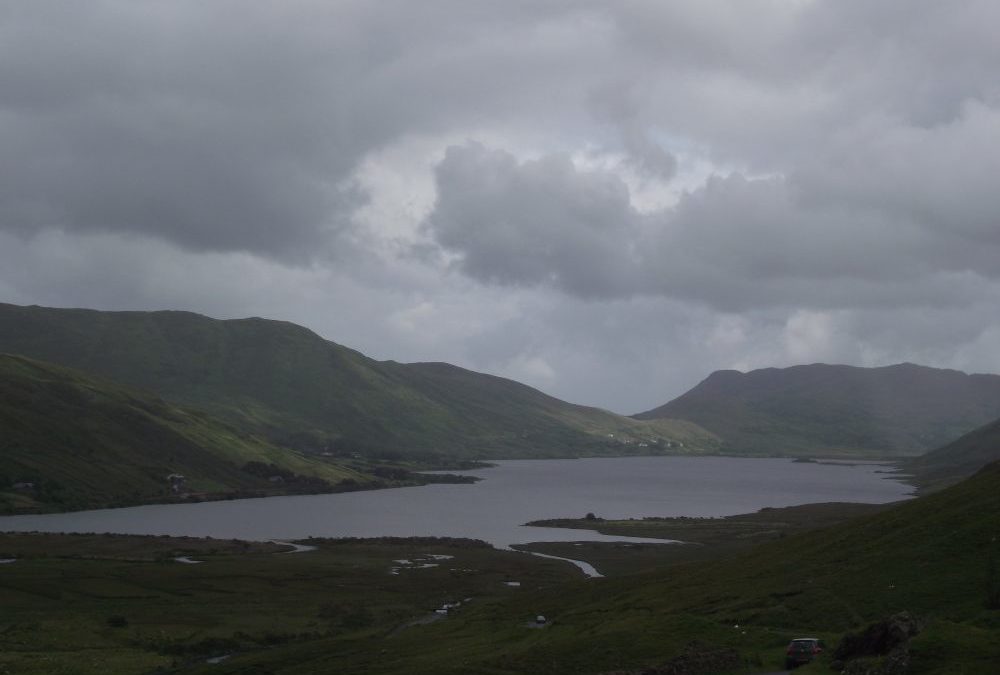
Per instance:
x=868, y=162
x=168, y=121
x=235, y=126
x=537, y=222
x=231, y=125
x=733, y=244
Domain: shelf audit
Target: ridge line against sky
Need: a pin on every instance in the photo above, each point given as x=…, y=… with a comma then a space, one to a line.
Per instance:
x=606, y=201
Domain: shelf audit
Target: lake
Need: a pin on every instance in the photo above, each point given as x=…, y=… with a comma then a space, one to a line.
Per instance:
x=510, y=494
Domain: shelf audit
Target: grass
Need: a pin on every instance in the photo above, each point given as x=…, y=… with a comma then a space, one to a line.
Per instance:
x=287, y=384
x=927, y=556
x=955, y=461
x=827, y=410
x=120, y=604
x=704, y=539
x=340, y=609
x=83, y=442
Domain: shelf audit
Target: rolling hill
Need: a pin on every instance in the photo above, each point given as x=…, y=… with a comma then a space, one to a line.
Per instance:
x=73, y=441
x=894, y=411
x=959, y=459
x=286, y=382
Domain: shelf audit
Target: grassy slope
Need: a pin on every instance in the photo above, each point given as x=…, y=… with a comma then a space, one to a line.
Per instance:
x=959, y=459
x=86, y=442
x=58, y=596
x=704, y=538
x=927, y=556
x=286, y=381
x=900, y=410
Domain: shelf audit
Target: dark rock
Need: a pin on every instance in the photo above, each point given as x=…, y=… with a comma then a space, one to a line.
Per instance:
x=880, y=649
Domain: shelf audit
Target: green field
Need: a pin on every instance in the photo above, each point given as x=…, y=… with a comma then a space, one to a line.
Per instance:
x=122, y=604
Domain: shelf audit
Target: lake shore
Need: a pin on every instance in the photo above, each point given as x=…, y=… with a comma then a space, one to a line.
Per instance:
x=688, y=539
x=505, y=497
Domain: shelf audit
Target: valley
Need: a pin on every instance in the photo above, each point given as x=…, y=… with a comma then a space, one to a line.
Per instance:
x=713, y=543
x=499, y=338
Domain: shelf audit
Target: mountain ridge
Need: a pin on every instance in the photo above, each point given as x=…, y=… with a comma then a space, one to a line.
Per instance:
x=890, y=411
x=288, y=383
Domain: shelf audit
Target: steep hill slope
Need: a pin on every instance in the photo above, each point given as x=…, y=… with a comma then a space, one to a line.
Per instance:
x=819, y=409
x=299, y=389
x=959, y=459
x=69, y=441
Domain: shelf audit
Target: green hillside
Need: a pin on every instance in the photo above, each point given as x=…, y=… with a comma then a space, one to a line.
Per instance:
x=935, y=556
x=298, y=389
x=72, y=441
x=894, y=411
x=959, y=459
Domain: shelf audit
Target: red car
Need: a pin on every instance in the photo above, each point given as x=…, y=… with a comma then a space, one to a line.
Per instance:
x=802, y=650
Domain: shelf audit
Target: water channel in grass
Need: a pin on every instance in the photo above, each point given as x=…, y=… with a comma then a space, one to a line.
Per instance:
x=508, y=495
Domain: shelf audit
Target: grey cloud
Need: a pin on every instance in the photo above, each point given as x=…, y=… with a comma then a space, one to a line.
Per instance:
x=167, y=122
x=626, y=354
x=615, y=104
x=733, y=244
x=182, y=122
x=647, y=155
x=941, y=177
x=537, y=222
x=853, y=217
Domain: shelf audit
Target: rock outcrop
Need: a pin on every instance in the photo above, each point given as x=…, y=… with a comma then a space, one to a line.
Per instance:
x=883, y=648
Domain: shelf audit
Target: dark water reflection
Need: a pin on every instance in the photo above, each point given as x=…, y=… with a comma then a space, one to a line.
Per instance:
x=509, y=495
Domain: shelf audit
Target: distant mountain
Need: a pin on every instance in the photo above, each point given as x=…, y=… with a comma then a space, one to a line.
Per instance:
x=900, y=410
x=298, y=389
x=73, y=441
x=959, y=459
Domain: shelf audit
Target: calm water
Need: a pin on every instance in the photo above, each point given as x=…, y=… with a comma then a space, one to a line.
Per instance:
x=509, y=495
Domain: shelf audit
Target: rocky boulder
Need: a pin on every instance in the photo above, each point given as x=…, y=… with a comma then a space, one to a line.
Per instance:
x=883, y=648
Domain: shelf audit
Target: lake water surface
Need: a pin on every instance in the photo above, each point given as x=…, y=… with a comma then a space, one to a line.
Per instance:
x=509, y=494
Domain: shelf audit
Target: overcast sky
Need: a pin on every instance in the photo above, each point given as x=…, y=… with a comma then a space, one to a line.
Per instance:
x=605, y=200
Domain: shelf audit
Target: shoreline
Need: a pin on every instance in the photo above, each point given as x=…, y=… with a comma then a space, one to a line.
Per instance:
x=450, y=474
